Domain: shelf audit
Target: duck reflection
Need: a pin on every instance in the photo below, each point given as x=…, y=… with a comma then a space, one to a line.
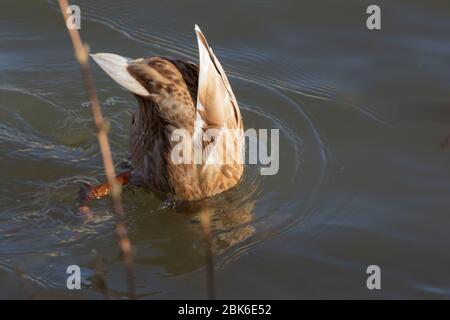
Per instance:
x=172, y=237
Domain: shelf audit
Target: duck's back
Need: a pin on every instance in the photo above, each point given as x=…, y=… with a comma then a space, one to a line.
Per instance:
x=174, y=86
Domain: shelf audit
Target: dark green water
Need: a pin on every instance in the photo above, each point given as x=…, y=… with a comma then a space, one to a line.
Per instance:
x=363, y=179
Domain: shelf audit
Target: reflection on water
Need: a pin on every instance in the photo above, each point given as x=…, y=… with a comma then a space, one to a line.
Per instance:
x=362, y=177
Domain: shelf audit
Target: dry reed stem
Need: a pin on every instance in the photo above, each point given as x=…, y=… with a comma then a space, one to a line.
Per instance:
x=100, y=280
x=82, y=55
x=205, y=222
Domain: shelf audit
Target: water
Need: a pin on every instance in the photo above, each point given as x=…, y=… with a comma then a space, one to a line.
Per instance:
x=363, y=179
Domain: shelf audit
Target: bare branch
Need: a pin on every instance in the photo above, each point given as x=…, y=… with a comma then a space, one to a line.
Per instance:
x=82, y=55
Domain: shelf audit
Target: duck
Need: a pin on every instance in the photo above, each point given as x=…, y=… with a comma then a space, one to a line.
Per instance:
x=179, y=104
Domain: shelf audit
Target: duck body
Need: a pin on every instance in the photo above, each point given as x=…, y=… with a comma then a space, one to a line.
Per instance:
x=179, y=96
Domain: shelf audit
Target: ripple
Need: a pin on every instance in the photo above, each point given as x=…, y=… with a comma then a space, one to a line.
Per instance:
x=304, y=164
x=52, y=156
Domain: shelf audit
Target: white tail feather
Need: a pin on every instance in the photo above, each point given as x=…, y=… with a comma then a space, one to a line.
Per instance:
x=116, y=67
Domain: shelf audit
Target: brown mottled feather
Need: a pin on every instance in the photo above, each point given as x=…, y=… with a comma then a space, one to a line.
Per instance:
x=172, y=102
x=173, y=86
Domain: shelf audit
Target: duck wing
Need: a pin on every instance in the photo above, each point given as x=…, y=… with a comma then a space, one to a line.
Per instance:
x=216, y=103
x=216, y=107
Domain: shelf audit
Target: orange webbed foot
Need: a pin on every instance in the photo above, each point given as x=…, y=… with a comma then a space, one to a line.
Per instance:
x=88, y=192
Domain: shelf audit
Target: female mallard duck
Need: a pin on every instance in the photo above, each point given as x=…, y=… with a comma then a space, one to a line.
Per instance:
x=176, y=95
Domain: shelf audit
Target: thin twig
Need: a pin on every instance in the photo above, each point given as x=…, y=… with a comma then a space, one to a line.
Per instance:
x=205, y=222
x=81, y=53
x=99, y=279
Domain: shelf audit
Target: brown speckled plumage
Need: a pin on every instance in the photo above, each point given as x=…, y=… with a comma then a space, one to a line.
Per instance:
x=170, y=95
